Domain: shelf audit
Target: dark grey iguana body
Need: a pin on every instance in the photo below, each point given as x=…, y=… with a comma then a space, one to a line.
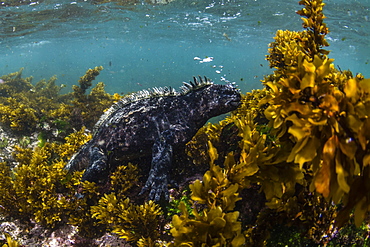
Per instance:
x=152, y=123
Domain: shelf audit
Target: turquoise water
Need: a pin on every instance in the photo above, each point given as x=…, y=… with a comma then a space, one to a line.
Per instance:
x=143, y=44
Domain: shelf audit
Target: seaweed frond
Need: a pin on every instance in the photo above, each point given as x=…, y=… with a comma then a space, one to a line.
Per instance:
x=10, y=242
x=129, y=221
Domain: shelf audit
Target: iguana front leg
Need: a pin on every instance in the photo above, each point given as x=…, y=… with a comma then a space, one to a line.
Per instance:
x=98, y=169
x=161, y=163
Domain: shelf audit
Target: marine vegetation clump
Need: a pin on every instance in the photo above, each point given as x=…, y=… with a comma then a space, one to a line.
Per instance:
x=39, y=188
x=86, y=80
x=113, y=211
x=18, y=115
x=303, y=140
x=27, y=107
x=173, y=207
x=135, y=223
x=88, y=108
x=217, y=223
x=124, y=178
x=323, y=115
x=10, y=242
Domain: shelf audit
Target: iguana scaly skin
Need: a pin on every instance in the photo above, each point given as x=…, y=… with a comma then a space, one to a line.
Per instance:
x=152, y=123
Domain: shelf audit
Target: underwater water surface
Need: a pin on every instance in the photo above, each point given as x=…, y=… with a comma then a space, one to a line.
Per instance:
x=143, y=44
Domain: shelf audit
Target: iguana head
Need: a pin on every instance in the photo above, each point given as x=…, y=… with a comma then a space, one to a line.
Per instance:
x=209, y=100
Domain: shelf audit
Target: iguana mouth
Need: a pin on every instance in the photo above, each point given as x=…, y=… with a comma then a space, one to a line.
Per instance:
x=235, y=102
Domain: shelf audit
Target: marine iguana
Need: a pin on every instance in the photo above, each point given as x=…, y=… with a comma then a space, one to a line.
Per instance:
x=152, y=122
